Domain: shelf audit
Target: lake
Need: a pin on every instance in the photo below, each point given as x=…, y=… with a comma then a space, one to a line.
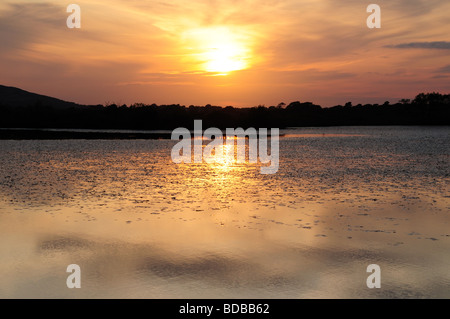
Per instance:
x=140, y=226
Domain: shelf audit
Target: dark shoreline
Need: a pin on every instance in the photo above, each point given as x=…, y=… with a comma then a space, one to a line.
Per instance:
x=20, y=109
x=41, y=134
x=36, y=134
x=61, y=134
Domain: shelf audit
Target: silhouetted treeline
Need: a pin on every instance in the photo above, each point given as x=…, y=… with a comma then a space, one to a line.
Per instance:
x=425, y=109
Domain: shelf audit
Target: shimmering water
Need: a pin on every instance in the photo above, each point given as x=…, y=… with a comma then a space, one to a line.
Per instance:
x=141, y=226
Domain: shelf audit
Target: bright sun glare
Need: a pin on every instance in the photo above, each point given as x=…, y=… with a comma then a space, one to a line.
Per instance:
x=218, y=50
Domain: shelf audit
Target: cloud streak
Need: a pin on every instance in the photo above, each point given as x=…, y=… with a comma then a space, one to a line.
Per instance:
x=440, y=45
x=445, y=69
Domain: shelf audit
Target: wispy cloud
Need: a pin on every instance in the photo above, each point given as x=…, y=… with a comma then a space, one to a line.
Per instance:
x=22, y=25
x=441, y=45
x=444, y=69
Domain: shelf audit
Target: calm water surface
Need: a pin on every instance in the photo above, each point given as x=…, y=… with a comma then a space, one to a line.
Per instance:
x=140, y=226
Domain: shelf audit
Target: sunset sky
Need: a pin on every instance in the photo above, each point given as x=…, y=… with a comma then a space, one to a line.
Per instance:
x=226, y=52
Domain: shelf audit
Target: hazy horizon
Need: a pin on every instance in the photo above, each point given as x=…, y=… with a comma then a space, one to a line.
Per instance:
x=107, y=103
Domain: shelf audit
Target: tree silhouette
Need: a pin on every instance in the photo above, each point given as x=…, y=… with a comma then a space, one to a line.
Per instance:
x=426, y=109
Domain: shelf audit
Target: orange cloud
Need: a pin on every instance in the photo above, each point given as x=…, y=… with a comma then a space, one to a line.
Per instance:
x=270, y=51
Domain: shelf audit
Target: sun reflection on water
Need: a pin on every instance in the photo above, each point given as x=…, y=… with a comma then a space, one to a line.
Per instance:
x=146, y=227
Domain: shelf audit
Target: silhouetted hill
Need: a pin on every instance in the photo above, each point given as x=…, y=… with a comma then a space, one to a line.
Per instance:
x=15, y=97
x=21, y=109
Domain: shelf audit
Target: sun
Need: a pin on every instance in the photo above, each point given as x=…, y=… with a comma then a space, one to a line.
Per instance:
x=218, y=50
x=224, y=58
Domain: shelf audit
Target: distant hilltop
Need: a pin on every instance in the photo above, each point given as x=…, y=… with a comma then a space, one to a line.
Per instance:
x=11, y=96
x=22, y=109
